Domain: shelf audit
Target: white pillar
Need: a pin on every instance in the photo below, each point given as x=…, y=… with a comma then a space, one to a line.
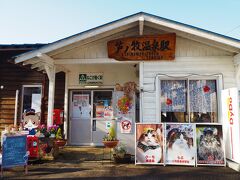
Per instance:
x=51, y=92
x=66, y=107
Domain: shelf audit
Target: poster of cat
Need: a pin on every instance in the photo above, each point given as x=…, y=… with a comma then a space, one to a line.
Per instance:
x=149, y=143
x=210, y=147
x=180, y=144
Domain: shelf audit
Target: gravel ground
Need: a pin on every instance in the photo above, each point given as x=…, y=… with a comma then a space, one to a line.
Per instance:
x=86, y=163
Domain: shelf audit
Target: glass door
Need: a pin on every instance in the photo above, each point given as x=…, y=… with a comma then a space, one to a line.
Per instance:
x=102, y=114
x=80, y=118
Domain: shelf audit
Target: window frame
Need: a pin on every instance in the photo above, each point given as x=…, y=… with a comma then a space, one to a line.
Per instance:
x=29, y=86
x=219, y=86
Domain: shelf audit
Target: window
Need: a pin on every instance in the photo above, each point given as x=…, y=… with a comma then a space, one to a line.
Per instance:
x=173, y=100
x=31, y=97
x=188, y=100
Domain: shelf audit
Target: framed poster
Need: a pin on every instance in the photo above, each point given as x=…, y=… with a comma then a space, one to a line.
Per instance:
x=210, y=146
x=149, y=143
x=180, y=144
x=99, y=111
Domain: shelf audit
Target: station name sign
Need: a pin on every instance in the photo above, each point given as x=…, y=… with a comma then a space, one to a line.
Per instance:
x=150, y=47
x=91, y=78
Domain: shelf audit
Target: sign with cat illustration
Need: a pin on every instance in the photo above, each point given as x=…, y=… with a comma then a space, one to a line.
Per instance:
x=210, y=147
x=180, y=144
x=149, y=143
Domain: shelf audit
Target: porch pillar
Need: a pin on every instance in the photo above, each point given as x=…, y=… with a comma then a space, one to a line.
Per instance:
x=51, y=71
x=65, y=125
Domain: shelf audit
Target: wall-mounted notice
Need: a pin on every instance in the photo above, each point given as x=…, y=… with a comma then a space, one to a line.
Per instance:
x=81, y=107
x=210, y=148
x=126, y=125
x=180, y=144
x=149, y=143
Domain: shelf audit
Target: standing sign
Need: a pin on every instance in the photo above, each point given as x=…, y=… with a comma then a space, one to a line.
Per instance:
x=14, y=151
x=210, y=146
x=81, y=107
x=149, y=143
x=180, y=144
x=230, y=112
x=151, y=47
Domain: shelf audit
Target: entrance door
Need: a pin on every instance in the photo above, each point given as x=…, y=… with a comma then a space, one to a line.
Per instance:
x=80, y=118
x=91, y=111
x=102, y=114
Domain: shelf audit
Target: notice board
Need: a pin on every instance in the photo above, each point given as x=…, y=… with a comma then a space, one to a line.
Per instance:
x=14, y=151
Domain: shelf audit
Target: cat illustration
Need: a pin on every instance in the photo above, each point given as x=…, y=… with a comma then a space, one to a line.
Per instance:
x=179, y=146
x=149, y=146
x=210, y=146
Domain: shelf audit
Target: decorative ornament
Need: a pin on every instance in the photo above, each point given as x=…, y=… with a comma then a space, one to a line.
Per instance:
x=124, y=104
x=206, y=89
x=168, y=101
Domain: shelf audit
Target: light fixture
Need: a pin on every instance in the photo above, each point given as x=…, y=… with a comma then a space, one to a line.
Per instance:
x=1, y=87
x=91, y=86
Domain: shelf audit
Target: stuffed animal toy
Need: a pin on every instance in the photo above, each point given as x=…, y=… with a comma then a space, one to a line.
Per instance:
x=31, y=120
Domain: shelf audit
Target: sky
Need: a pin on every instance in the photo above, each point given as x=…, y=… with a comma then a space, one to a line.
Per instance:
x=46, y=21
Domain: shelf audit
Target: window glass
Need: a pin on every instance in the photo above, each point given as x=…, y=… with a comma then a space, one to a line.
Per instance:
x=203, y=101
x=32, y=98
x=174, y=101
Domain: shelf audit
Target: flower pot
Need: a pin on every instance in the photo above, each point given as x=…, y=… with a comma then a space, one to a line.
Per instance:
x=110, y=144
x=60, y=142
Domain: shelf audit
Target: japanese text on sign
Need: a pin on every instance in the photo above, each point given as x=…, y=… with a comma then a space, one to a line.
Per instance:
x=157, y=47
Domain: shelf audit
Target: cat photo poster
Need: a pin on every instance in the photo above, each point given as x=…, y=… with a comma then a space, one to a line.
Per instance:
x=180, y=144
x=210, y=147
x=149, y=143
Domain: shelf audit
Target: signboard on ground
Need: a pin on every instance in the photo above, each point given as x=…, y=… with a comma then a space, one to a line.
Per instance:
x=149, y=143
x=231, y=124
x=14, y=151
x=180, y=144
x=210, y=145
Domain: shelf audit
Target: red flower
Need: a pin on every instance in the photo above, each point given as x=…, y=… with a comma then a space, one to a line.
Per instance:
x=206, y=89
x=169, y=102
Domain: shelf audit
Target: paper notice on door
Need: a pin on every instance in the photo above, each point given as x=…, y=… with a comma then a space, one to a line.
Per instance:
x=81, y=107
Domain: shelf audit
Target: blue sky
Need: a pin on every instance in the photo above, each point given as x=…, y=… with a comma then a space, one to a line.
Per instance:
x=45, y=21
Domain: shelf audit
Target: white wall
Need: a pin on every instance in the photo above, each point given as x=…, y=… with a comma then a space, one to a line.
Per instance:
x=181, y=65
x=112, y=73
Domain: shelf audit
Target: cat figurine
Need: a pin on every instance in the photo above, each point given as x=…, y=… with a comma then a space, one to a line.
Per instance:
x=210, y=146
x=31, y=120
x=149, y=146
x=179, y=146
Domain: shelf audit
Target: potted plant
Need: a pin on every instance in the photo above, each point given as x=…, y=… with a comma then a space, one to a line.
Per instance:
x=59, y=138
x=120, y=154
x=110, y=140
x=53, y=131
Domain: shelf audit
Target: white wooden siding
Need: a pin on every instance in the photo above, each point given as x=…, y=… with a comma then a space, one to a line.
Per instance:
x=182, y=65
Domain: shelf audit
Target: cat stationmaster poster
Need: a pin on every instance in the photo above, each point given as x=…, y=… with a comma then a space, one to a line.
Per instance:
x=180, y=144
x=210, y=148
x=149, y=143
